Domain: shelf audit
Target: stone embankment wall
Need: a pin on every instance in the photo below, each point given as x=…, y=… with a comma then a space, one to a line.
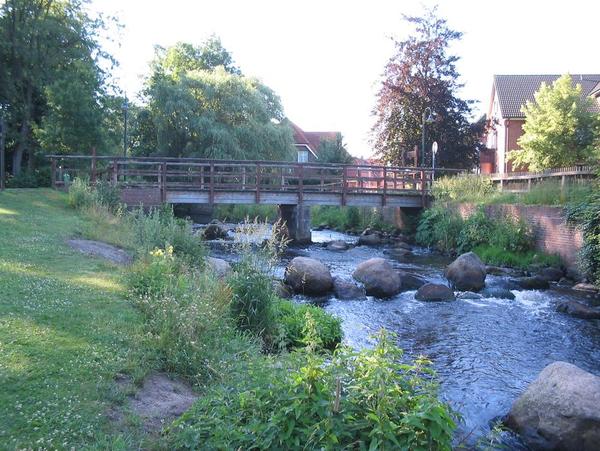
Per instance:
x=553, y=234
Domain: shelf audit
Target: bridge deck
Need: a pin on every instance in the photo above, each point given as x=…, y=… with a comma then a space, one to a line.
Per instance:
x=151, y=181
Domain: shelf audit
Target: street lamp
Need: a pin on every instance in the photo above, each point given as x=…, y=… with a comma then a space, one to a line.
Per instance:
x=125, y=110
x=426, y=118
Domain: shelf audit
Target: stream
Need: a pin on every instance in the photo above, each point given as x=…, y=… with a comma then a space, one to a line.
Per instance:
x=485, y=352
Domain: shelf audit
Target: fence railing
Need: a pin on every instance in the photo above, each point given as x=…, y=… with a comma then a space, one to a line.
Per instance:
x=523, y=181
x=191, y=174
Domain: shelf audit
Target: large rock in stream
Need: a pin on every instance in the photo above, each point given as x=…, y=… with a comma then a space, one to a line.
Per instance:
x=308, y=276
x=434, y=292
x=578, y=310
x=348, y=289
x=560, y=410
x=378, y=277
x=466, y=273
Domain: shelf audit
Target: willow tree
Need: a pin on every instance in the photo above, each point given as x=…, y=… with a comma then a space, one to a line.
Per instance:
x=198, y=104
x=421, y=77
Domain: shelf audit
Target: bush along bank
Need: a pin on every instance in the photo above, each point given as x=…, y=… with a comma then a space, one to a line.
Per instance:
x=264, y=365
x=586, y=215
x=497, y=241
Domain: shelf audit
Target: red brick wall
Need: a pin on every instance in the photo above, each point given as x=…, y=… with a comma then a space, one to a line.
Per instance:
x=514, y=130
x=553, y=235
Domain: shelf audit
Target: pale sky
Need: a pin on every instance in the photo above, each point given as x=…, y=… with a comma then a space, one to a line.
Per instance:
x=325, y=58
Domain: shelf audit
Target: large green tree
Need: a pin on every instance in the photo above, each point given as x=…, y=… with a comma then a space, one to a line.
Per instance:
x=52, y=87
x=334, y=151
x=419, y=78
x=560, y=129
x=198, y=104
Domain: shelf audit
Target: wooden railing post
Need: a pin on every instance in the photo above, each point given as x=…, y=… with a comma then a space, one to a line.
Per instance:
x=384, y=200
x=93, y=164
x=115, y=172
x=258, y=182
x=301, y=185
x=211, y=184
x=53, y=170
x=163, y=183
x=344, y=183
x=423, y=188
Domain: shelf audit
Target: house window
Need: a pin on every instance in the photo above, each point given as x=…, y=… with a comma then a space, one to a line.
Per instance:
x=303, y=156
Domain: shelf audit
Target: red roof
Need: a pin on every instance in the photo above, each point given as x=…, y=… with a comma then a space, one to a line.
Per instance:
x=312, y=140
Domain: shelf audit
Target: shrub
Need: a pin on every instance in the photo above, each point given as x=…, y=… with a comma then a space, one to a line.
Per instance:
x=439, y=228
x=364, y=400
x=500, y=256
x=36, y=178
x=463, y=188
x=586, y=215
x=159, y=228
x=291, y=318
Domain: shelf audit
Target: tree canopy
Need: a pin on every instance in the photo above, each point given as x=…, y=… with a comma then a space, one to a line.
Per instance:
x=334, y=151
x=560, y=129
x=198, y=104
x=422, y=76
x=52, y=88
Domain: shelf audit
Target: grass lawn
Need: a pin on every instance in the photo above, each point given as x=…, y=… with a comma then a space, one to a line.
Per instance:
x=65, y=329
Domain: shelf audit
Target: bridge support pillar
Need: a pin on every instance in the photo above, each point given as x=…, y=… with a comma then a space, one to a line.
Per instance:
x=297, y=219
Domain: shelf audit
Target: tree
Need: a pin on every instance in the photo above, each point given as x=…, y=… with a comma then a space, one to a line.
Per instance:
x=334, y=151
x=421, y=76
x=559, y=130
x=50, y=77
x=199, y=105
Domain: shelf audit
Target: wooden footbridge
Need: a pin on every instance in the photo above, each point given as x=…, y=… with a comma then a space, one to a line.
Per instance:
x=153, y=180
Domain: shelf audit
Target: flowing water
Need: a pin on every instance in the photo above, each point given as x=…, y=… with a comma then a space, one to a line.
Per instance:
x=485, y=351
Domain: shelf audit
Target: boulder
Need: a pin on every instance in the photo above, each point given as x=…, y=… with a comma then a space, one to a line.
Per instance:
x=411, y=281
x=403, y=245
x=379, y=278
x=434, y=292
x=532, y=283
x=369, y=240
x=400, y=253
x=551, y=274
x=214, y=232
x=469, y=295
x=218, y=266
x=560, y=410
x=586, y=287
x=308, y=276
x=348, y=289
x=578, y=310
x=337, y=245
x=498, y=293
x=466, y=273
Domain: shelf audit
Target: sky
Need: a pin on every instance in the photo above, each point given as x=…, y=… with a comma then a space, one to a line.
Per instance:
x=325, y=58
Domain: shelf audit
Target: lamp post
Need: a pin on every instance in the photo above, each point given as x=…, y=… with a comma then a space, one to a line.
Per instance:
x=426, y=118
x=125, y=110
x=434, y=149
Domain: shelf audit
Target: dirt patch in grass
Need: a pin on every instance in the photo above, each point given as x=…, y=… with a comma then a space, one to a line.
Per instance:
x=161, y=400
x=99, y=249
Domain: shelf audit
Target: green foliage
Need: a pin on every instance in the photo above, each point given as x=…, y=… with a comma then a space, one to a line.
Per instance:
x=586, y=215
x=498, y=241
x=480, y=190
x=159, y=228
x=199, y=109
x=499, y=256
x=352, y=219
x=559, y=128
x=364, y=400
x=463, y=188
x=334, y=151
x=52, y=85
x=240, y=212
x=291, y=318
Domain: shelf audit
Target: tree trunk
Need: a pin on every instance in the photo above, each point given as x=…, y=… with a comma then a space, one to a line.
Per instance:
x=22, y=145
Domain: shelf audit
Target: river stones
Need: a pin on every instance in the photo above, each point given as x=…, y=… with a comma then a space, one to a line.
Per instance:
x=218, y=266
x=308, y=276
x=348, y=289
x=532, y=283
x=560, y=410
x=337, y=245
x=434, y=292
x=372, y=239
x=498, y=293
x=214, y=232
x=378, y=277
x=466, y=273
x=411, y=281
x=578, y=310
x=587, y=288
x=551, y=274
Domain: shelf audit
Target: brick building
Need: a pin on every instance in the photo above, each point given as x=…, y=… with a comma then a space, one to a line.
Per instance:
x=509, y=94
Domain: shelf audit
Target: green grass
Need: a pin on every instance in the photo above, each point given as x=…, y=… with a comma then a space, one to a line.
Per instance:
x=65, y=328
x=497, y=256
